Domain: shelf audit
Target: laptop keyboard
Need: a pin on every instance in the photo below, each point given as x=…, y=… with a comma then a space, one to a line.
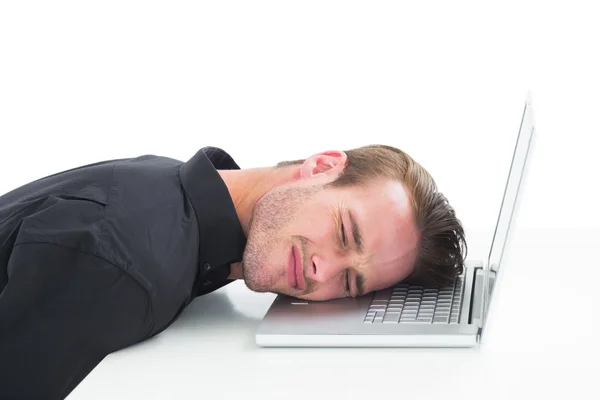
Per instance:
x=409, y=304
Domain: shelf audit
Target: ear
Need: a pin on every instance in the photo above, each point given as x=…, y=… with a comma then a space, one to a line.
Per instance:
x=329, y=162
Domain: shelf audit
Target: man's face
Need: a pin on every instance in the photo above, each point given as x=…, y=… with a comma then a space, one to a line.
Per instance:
x=319, y=244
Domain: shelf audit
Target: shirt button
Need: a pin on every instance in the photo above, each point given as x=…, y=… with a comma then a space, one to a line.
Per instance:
x=207, y=283
x=206, y=266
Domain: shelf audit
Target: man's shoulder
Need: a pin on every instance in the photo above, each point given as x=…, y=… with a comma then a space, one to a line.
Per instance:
x=67, y=221
x=94, y=283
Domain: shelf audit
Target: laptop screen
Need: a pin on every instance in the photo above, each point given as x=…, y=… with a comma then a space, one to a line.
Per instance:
x=511, y=190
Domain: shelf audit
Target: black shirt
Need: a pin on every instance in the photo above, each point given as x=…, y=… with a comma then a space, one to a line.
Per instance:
x=103, y=256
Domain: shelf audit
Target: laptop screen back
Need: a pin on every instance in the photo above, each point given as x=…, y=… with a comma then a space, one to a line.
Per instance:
x=511, y=191
x=507, y=207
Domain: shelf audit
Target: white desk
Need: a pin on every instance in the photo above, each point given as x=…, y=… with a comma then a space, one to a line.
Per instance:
x=541, y=342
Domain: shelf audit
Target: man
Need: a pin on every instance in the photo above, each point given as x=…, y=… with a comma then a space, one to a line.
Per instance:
x=98, y=258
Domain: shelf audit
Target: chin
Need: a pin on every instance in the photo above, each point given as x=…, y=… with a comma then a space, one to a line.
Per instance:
x=257, y=282
x=257, y=288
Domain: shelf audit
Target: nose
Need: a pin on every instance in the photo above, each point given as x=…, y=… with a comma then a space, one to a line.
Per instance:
x=323, y=269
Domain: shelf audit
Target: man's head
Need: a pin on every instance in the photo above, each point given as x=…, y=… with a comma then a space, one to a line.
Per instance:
x=353, y=222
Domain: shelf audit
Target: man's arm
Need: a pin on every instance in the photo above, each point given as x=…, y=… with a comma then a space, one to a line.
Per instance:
x=60, y=317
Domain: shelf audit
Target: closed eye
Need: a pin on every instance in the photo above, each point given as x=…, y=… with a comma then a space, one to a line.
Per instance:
x=347, y=282
x=344, y=238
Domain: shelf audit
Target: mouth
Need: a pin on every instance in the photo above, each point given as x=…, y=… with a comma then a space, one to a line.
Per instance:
x=295, y=274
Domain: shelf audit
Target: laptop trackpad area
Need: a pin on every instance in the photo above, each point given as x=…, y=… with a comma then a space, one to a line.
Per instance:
x=292, y=310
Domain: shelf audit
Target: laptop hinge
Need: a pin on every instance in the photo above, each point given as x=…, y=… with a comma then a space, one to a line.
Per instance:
x=477, y=299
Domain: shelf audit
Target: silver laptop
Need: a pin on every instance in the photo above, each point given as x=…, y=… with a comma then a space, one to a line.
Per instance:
x=405, y=315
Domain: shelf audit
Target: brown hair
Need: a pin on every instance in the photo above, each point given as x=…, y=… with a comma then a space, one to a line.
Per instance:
x=442, y=245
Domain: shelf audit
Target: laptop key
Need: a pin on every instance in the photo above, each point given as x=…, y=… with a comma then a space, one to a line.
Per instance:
x=379, y=301
x=408, y=316
x=394, y=310
x=396, y=305
x=391, y=318
x=382, y=294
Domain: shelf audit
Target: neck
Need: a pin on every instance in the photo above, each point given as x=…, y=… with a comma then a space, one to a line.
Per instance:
x=246, y=187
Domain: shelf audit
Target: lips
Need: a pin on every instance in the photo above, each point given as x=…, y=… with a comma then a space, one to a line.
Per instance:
x=299, y=270
x=291, y=269
x=295, y=275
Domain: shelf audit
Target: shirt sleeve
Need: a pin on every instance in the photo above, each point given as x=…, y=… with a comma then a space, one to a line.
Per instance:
x=61, y=312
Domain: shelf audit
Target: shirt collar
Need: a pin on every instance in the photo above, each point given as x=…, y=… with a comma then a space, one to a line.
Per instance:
x=222, y=239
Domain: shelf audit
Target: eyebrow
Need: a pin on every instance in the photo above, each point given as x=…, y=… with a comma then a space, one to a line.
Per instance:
x=356, y=232
x=360, y=284
x=358, y=239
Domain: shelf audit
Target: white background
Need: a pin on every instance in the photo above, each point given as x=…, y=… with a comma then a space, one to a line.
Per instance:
x=84, y=81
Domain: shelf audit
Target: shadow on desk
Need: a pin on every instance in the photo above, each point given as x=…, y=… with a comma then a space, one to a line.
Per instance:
x=208, y=318
x=212, y=310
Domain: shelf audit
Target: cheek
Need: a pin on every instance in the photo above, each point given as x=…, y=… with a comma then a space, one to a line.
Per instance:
x=390, y=274
x=315, y=224
x=325, y=292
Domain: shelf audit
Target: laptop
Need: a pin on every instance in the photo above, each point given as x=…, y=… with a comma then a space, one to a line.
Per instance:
x=407, y=315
